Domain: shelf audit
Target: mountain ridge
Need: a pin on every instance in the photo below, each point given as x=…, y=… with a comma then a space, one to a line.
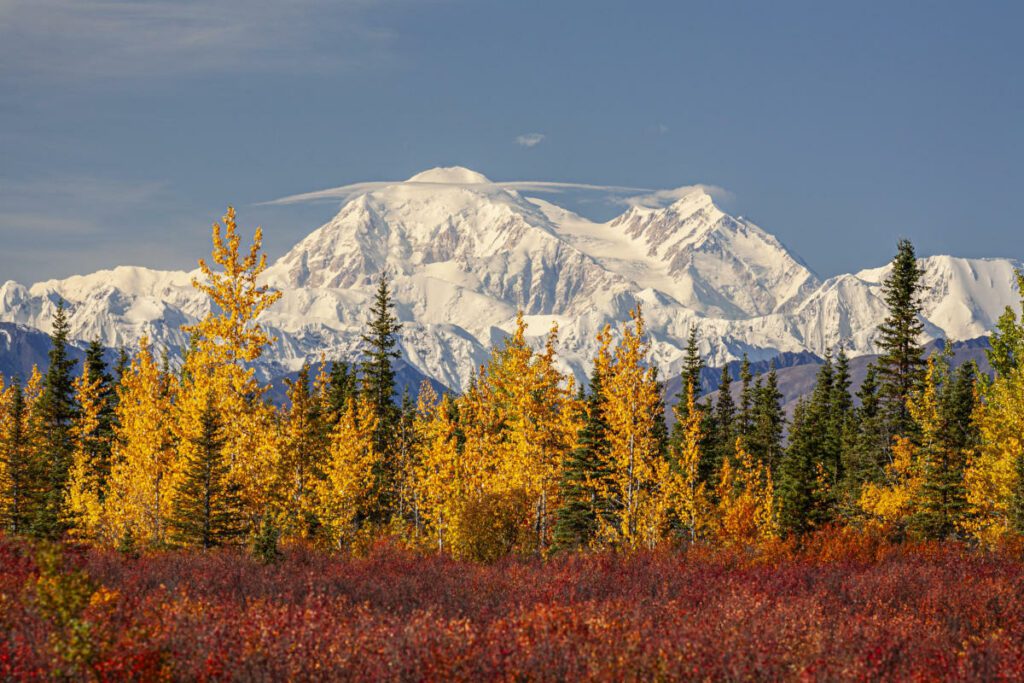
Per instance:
x=466, y=254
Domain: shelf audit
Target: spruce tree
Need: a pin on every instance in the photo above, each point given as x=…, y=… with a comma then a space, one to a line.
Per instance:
x=841, y=416
x=745, y=417
x=342, y=387
x=901, y=365
x=813, y=463
x=769, y=422
x=867, y=455
x=585, y=477
x=206, y=510
x=378, y=387
x=942, y=502
x=693, y=363
x=101, y=440
x=57, y=412
x=802, y=502
x=124, y=361
x=22, y=489
x=724, y=425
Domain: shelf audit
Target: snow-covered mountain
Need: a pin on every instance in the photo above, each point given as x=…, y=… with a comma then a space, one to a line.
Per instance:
x=467, y=253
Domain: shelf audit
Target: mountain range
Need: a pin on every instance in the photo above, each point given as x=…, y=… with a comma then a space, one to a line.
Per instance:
x=466, y=254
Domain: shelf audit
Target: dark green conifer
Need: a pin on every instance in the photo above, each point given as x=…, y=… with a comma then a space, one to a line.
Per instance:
x=585, y=468
x=942, y=503
x=206, y=511
x=745, y=416
x=378, y=386
x=867, y=454
x=901, y=365
x=23, y=488
x=57, y=411
x=802, y=504
x=769, y=421
x=724, y=436
x=342, y=387
x=693, y=363
x=100, y=441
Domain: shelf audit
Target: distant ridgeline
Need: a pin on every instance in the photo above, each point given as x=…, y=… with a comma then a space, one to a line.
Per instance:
x=797, y=372
x=22, y=347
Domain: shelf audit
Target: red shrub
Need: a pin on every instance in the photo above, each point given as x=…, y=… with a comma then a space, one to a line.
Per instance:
x=844, y=606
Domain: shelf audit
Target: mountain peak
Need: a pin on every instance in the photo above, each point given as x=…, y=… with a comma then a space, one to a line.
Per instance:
x=450, y=175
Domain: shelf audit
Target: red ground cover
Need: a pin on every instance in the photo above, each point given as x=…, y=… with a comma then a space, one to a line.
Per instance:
x=849, y=610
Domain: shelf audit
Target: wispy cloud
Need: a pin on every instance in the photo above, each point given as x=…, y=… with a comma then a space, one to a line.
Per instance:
x=125, y=38
x=530, y=139
x=660, y=198
x=346, y=192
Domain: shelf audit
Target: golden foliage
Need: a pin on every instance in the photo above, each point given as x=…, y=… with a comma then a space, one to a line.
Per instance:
x=85, y=489
x=229, y=333
x=631, y=410
x=686, y=493
x=516, y=431
x=991, y=472
x=224, y=342
x=440, y=476
x=344, y=494
x=746, y=501
x=146, y=467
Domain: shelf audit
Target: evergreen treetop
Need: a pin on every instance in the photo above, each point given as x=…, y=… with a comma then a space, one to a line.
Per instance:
x=901, y=364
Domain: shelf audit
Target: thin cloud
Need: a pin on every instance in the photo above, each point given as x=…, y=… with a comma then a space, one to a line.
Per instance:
x=661, y=198
x=530, y=139
x=346, y=192
x=126, y=38
x=552, y=187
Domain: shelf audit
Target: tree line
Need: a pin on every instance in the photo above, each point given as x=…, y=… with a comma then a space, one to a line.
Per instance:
x=143, y=455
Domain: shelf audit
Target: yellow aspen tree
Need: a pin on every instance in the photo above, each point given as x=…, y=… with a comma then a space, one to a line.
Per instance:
x=439, y=478
x=481, y=421
x=224, y=343
x=524, y=451
x=895, y=501
x=992, y=471
x=145, y=466
x=304, y=444
x=85, y=488
x=687, y=495
x=344, y=495
x=746, y=501
x=6, y=422
x=22, y=478
x=994, y=478
x=230, y=333
x=630, y=408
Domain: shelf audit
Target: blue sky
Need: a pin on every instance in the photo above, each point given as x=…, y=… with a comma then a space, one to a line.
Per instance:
x=127, y=127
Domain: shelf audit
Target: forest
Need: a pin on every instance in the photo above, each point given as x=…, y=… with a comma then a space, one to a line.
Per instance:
x=119, y=482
